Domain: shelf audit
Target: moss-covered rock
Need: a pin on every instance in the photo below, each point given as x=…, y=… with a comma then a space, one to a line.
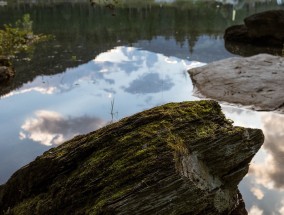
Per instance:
x=179, y=158
x=6, y=69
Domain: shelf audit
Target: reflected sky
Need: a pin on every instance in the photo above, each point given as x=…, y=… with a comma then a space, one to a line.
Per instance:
x=270, y=173
x=51, y=109
x=263, y=187
x=46, y=111
x=51, y=128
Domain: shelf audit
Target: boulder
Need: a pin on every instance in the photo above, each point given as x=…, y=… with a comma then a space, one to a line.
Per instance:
x=179, y=158
x=5, y=61
x=6, y=69
x=263, y=29
x=6, y=73
x=266, y=24
x=254, y=81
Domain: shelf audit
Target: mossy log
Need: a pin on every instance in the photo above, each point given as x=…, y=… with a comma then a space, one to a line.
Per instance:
x=179, y=158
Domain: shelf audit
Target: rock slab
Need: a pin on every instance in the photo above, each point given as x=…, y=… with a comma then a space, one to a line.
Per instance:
x=179, y=158
x=254, y=81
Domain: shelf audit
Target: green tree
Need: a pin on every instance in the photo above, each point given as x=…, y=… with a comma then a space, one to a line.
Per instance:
x=17, y=37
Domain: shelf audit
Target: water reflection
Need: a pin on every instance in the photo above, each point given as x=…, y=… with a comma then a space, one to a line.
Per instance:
x=255, y=211
x=3, y=3
x=51, y=128
x=52, y=109
x=257, y=192
x=184, y=29
x=42, y=90
x=262, y=188
x=97, y=59
x=232, y=2
x=270, y=173
x=121, y=69
x=247, y=50
x=149, y=83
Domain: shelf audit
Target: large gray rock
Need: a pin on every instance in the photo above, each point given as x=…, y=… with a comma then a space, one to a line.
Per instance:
x=179, y=158
x=265, y=28
x=256, y=81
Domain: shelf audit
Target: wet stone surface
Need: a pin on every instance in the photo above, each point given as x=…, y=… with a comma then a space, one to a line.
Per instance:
x=255, y=81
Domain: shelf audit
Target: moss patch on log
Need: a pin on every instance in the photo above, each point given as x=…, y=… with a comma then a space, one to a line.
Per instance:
x=170, y=159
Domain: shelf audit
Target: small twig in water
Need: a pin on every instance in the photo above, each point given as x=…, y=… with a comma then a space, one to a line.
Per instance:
x=112, y=113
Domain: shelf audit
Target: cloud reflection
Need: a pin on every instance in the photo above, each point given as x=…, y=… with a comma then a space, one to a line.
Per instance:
x=270, y=173
x=255, y=211
x=281, y=210
x=51, y=128
x=117, y=55
x=122, y=71
x=257, y=192
x=149, y=83
x=119, y=70
x=42, y=90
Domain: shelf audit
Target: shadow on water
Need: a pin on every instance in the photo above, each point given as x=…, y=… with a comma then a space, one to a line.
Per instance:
x=247, y=50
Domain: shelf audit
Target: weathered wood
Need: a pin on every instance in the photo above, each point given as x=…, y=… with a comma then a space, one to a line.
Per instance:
x=179, y=158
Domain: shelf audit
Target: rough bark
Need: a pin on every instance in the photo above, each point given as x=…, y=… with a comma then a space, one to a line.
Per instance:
x=256, y=82
x=179, y=158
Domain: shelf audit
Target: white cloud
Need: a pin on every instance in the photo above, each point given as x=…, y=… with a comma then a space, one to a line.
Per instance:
x=115, y=55
x=270, y=173
x=42, y=90
x=281, y=210
x=255, y=211
x=51, y=128
x=257, y=192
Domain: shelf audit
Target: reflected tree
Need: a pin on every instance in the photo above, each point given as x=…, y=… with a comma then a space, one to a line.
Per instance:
x=85, y=31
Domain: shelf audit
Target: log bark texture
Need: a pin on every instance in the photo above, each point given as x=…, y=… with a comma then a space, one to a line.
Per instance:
x=179, y=158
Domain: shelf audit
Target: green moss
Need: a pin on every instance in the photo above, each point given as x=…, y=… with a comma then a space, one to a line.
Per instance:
x=93, y=171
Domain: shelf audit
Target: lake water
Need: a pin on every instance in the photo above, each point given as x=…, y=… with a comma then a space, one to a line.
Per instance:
x=106, y=64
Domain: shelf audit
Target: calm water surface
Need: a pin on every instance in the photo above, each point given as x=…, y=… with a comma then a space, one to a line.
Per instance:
x=106, y=64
